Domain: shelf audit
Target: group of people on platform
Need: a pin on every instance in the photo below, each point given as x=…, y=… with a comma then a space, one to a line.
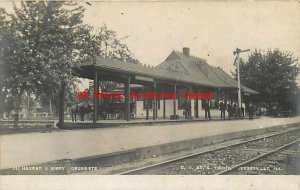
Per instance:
x=232, y=110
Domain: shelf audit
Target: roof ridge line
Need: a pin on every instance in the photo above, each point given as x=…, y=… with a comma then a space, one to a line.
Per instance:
x=217, y=74
x=223, y=77
x=191, y=55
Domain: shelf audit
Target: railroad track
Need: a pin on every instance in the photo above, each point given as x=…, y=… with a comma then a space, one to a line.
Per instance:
x=291, y=137
x=257, y=158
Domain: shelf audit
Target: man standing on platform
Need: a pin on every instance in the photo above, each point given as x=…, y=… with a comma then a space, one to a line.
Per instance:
x=222, y=108
x=207, y=109
x=235, y=110
x=187, y=110
x=229, y=110
x=243, y=111
x=251, y=112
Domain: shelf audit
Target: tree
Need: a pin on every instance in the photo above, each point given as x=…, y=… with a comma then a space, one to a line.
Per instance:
x=105, y=43
x=8, y=44
x=273, y=74
x=2, y=42
x=40, y=44
x=44, y=40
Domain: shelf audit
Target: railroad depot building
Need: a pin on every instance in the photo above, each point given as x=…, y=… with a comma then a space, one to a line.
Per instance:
x=179, y=74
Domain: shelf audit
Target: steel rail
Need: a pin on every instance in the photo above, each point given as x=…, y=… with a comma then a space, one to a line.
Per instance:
x=153, y=166
x=256, y=158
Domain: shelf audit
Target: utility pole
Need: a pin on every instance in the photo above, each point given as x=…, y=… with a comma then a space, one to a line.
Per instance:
x=50, y=107
x=237, y=62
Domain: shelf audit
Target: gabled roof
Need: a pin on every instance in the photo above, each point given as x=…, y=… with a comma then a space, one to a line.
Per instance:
x=198, y=68
x=193, y=66
x=145, y=71
x=177, y=67
x=232, y=81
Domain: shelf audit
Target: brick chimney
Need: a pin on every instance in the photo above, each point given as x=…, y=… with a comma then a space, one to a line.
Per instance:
x=186, y=51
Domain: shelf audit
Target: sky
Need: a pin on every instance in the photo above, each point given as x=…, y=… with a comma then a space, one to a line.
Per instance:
x=212, y=30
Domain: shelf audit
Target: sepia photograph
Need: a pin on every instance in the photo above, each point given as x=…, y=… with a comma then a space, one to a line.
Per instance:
x=140, y=91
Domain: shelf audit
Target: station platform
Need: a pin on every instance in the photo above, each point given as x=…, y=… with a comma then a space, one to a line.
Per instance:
x=38, y=148
x=68, y=124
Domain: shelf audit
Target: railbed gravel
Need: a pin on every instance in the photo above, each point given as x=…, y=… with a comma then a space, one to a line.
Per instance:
x=217, y=161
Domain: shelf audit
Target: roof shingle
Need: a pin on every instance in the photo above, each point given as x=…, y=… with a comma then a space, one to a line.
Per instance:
x=177, y=67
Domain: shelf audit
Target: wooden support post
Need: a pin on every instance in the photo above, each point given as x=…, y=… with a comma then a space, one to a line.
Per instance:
x=191, y=104
x=174, y=101
x=127, y=99
x=164, y=108
x=95, y=99
x=154, y=105
x=197, y=105
x=61, y=108
x=231, y=99
x=147, y=106
x=187, y=106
